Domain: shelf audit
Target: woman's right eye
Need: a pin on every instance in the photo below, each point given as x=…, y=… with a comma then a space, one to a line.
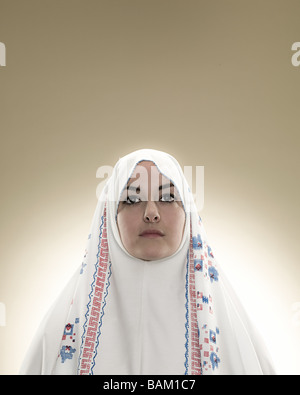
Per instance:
x=132, y=199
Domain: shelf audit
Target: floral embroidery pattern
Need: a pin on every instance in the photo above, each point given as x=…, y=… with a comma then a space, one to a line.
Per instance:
x=66, y=352
x=68, y=339
x=213, y=274
x=209, y=348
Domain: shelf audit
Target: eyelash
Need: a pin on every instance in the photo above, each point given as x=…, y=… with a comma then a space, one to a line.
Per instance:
x=130, y=202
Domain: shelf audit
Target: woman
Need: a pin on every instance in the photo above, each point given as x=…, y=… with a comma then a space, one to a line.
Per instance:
x=149, y=297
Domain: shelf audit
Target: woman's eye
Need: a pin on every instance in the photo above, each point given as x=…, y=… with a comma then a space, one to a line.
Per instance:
x=167, y=197
x=132, y=199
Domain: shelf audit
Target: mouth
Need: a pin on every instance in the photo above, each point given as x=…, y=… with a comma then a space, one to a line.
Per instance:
x=152, y=233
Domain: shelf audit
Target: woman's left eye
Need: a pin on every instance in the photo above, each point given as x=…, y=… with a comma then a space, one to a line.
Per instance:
x=167, y=198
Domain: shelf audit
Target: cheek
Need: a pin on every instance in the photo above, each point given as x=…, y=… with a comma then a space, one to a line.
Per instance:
x=175, y=218
x=127, y=225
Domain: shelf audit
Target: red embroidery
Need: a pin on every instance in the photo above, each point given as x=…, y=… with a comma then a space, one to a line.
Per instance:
x=93, y=323
x=195, y=346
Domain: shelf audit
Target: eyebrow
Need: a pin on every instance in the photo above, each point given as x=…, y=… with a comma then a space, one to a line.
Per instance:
x=169, y=185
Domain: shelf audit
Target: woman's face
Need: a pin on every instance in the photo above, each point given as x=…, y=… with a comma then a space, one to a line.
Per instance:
x=150, y=217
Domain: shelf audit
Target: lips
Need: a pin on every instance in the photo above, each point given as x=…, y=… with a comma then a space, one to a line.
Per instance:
x=152, y=233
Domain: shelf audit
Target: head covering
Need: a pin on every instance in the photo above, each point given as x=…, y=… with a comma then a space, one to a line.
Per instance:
x=124, y=315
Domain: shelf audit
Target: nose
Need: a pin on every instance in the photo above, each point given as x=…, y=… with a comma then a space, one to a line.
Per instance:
x=151, y=213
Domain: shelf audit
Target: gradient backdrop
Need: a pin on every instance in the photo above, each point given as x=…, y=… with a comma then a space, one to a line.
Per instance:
x=210, y=82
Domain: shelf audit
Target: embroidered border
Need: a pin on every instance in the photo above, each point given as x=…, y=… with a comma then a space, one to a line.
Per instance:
x=101, y=316
x=195, y=346
x=192, y=333
x=95, y=307
x=186, y=364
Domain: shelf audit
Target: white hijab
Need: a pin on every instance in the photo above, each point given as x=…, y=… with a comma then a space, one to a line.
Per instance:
x=123, y=315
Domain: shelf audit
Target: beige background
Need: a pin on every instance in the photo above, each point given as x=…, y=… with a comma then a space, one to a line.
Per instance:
x=210, y=82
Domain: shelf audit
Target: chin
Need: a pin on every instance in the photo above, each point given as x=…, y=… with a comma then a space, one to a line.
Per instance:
x=152, y=256
x=148, y=259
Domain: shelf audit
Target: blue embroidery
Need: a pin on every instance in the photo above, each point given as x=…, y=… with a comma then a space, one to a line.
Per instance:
x=197, y=242
x=90, y=294
x=186, y=363
x=198, y=264
x=210, y=252
x=66, y=352
x=68, y=331
x=212, y=336
x=214, y=359
x=101, y=316
x=213, y=274
x=83, y=265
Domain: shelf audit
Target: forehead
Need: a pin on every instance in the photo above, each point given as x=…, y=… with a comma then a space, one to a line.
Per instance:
x=148, y=182
x=147, y=173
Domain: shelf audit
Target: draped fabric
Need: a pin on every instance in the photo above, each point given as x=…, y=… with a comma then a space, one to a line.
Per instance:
x=124, y=315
